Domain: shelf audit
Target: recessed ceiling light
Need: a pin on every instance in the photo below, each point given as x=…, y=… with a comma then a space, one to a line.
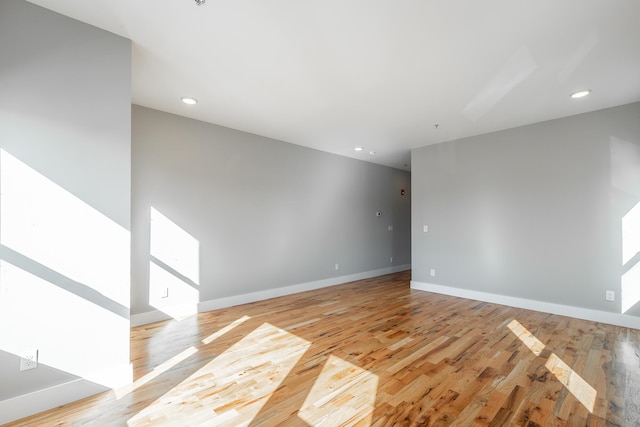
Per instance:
x=581, y=93
x=358, y=148
x=189, y=100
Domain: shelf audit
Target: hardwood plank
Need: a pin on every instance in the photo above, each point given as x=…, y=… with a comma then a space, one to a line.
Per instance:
x=371, y=353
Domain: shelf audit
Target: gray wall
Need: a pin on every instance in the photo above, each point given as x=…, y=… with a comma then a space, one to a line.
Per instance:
x=266, y=214
x=533, y=212
x=65, y=132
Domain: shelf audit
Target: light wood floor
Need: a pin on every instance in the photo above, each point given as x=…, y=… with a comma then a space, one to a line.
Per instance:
x=372, y=352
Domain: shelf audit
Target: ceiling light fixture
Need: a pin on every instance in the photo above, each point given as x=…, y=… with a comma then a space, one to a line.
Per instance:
x=189, y=100
x=358, y=148
x=581, y=93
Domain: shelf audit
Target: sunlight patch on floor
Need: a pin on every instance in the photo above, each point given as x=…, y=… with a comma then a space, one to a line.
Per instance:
x=580, y=389
x=527, y=338
x=231, y=389
x=569, y=378
x=343, y=394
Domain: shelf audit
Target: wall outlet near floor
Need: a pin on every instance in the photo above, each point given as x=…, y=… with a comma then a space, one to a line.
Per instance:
x=425, y=228
x=391, y=260
x=610, y=296
x=28, y=360
x=433, y=272
x=337, y=267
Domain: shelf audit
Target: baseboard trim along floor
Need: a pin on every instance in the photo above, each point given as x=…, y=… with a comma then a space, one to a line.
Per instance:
x=215, y=304
x=545, y=307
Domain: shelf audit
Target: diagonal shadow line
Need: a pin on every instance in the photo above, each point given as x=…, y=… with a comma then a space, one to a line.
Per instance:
x=175, y=272
x=631, y=263
x=79, y=289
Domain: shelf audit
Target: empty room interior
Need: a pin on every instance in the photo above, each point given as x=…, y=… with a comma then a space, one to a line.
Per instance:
x=356, y=213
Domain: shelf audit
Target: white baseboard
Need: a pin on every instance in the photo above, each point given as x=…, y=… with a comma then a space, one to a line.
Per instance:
x=48, y=398
x=38, y=401
x=156, y=315
x=148, y=317
x=546, y=307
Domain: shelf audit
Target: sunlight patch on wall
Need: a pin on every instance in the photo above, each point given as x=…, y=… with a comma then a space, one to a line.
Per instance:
x=49, y=225
x=343, y=394
x=64, y=278
x=569, y=378
x=630, y=294
x=625, y=177
x=174, y=268
x=630, y=281
x=174, y=246
x=631, y=234
x=72, y=334
x=181, y=300
x=231, y=389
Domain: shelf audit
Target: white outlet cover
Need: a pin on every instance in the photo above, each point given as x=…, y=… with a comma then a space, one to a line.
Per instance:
x=390, y=228
x=610, y=296
x=28, y=360
x=425, y=228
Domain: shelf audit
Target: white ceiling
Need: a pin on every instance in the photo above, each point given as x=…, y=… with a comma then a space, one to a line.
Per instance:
x=336, y=74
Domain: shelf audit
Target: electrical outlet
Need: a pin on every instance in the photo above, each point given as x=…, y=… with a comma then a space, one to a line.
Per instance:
x=610, y=296
x=337, y=267
x=28, y=360
x=425, y=228
x=391, y=260
x=390, y=228
x=433, y=272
